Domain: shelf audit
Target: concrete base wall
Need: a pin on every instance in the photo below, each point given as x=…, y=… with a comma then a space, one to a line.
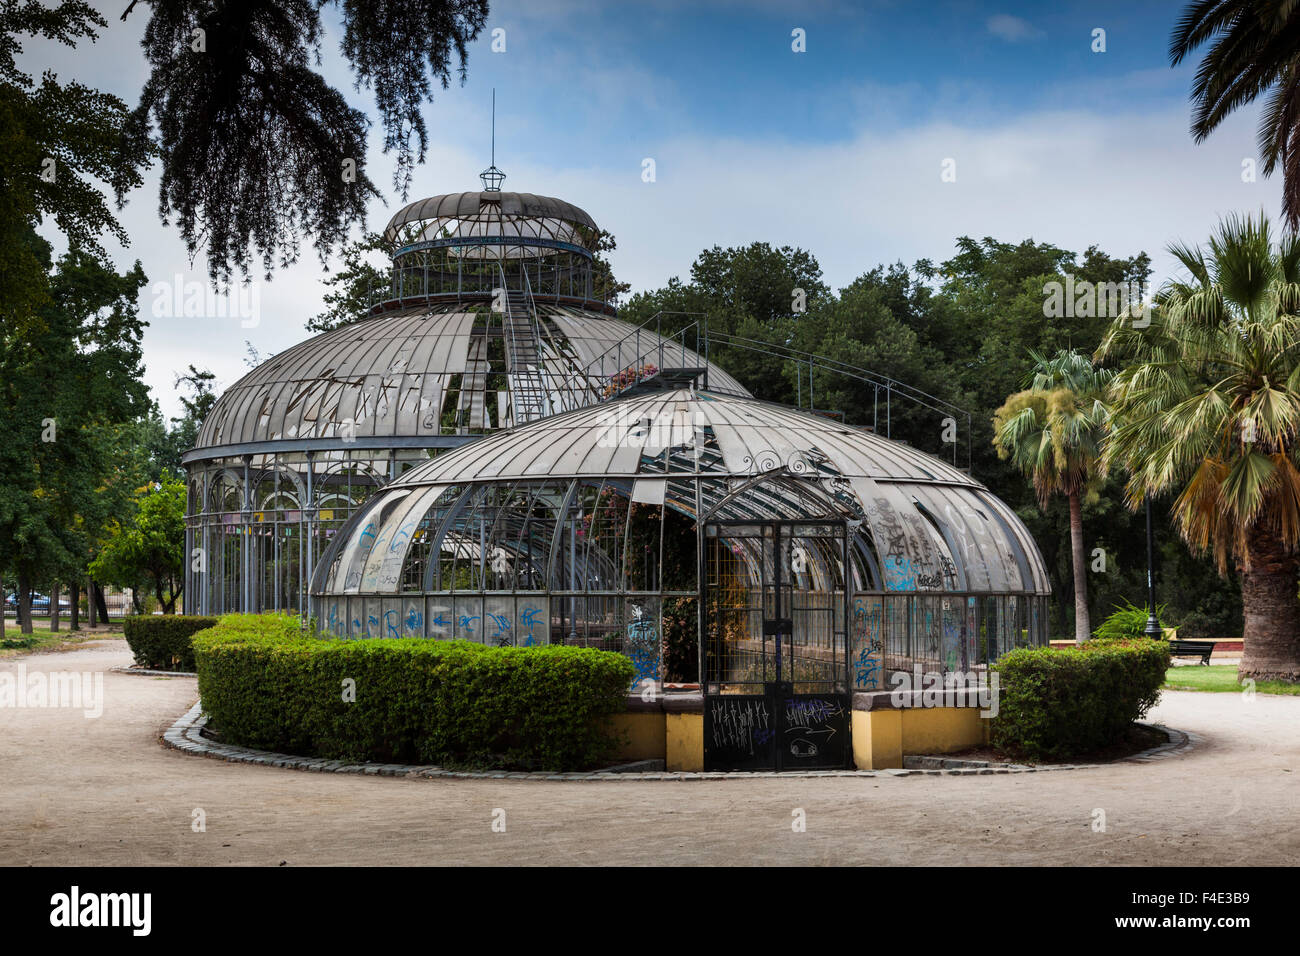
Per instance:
x=642, y=736
x=685, y=742
x=672, y=729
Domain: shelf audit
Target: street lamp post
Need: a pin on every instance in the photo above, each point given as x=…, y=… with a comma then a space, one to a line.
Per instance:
x=1152, y=629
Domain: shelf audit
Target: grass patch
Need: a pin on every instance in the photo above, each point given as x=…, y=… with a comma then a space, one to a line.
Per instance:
x=1221, y=679
x=16, y=643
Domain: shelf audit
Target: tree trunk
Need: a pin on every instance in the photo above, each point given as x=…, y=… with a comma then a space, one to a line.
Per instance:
x=92, y=607
x=25, y=604
x=4, y=609
x=1082, y=622
x=1271, y=636
x=74, y=606
x=54, y=607
x=99, y=601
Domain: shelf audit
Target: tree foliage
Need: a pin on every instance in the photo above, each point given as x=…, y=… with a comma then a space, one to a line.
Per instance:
x=1254, y=51
x=352, y=287
x=1207, y=408
x=149, y=549
x=69, y=387
x=258, y=148
x=57, y=143
x=1053, y=432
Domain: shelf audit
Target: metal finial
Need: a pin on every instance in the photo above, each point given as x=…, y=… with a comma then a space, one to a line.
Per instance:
x=493, y=177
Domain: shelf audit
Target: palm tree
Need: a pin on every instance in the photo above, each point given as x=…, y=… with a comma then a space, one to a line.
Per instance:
x=1209, y=407
x=1053, y=432
x=1255, y=50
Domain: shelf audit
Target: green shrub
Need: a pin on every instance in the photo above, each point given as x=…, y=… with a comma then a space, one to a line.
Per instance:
x=1199, y=624
x=1057, y=703
x=163, y=642
x=1127, y=622
x=265, y=685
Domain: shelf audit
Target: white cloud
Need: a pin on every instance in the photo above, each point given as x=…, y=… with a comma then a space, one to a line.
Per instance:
x=1127, y=182
x=1124, y=180
x=1012, y=29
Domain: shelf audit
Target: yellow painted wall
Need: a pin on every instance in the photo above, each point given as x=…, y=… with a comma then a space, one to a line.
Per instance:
x=643, y=736
x=882, y=737
x=684, y=746
x=941, y=730
x=877, y=739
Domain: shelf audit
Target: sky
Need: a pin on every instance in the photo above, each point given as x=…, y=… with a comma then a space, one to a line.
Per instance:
x=840, y=148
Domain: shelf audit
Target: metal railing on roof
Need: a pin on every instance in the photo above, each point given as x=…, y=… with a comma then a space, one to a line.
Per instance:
x=617, y=375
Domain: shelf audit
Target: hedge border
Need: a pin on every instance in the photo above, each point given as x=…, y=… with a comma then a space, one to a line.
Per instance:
x=185, y=736
x=158, y=639
x=267, y=685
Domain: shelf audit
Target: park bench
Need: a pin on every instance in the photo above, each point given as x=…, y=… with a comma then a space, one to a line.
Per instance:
x=1201, y=649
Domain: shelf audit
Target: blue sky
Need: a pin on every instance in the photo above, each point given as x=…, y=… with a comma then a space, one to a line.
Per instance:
x=838, y=149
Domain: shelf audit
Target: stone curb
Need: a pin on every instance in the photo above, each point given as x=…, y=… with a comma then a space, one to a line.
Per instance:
x=144, y=672
x=184, y=735
x=1178, y=742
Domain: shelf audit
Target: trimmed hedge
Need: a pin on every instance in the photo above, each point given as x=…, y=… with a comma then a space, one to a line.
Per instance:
x=266, y=685
x=163, y=642
x=1063, y=702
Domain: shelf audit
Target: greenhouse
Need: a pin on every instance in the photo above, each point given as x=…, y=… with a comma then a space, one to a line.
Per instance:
x=491, y=320
x=492, y=455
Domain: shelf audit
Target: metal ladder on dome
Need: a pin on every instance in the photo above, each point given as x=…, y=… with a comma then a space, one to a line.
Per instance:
x=528, y=392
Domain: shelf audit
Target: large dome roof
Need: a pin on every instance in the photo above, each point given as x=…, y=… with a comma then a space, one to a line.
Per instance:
x=394, y=380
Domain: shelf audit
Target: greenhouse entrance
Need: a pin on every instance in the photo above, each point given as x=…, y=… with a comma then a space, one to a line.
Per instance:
x=776, y=663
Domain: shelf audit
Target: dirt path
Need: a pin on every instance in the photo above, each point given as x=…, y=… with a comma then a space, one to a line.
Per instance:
x=103, y=791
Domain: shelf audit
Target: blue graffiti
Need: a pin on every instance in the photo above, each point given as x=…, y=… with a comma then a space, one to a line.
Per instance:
x=529, y=620
x=367, y=532
x=502, y=629
x=867, y=670
x=899, y=575
x=415, y=620
x=440, y=621
x=467, y=622
x=642, y=648
x=389, y=617
x=402, y=534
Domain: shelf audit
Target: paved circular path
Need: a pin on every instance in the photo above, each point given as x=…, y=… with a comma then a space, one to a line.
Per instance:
x=104, y=791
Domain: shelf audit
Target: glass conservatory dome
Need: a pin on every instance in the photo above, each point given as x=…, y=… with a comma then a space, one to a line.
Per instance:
x=588, y=526
x=492, y=318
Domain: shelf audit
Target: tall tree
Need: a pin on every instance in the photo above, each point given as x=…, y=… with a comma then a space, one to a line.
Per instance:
x=68, y=379
x=1254, y=51
x=1053, y=433
x=1208, y=407
x=258, y=149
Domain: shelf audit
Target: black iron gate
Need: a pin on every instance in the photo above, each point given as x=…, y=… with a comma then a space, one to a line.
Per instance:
x=775, y=668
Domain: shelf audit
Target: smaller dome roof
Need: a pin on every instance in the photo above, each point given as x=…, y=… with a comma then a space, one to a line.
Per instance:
x=489, y=206
x=934, y=526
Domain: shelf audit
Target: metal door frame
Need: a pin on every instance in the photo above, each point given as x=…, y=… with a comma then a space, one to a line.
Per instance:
x=773, y=699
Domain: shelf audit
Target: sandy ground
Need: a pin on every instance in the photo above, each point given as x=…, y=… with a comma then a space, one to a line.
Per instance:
x=104, y=791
